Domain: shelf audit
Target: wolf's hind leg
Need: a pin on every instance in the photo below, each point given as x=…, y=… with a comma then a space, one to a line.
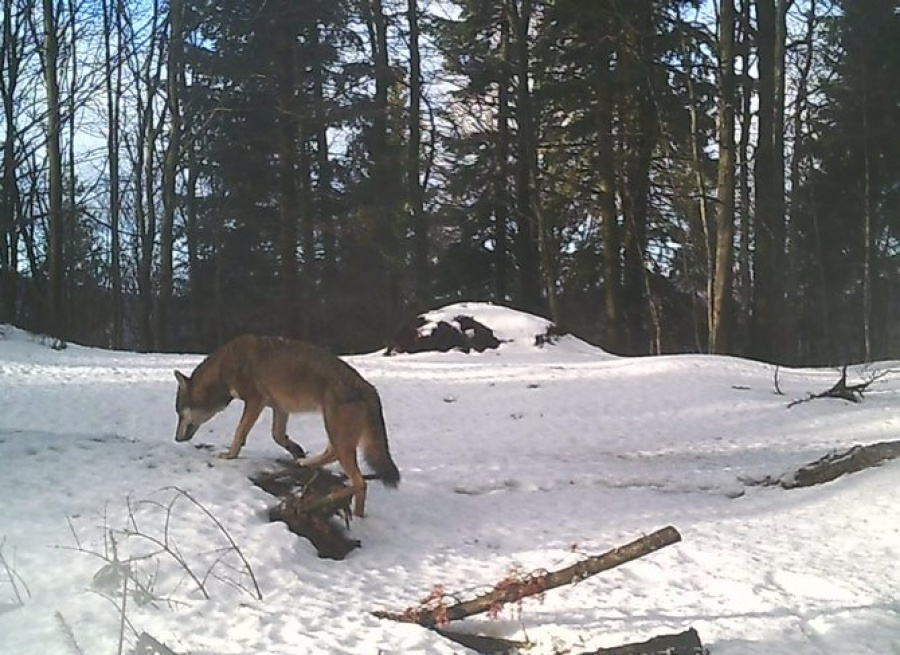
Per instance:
x=347, y=458
x=345, y=423
x=279, y=434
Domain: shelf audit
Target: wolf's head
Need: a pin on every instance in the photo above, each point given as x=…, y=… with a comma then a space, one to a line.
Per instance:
x=192, y=408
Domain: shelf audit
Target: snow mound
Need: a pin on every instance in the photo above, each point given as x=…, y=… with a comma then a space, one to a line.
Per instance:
x=479, y=326
x=24, y=341
x=12, y=333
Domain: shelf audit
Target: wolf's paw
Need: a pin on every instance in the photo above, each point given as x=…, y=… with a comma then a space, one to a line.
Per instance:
x=295, y=449
x=225, y=454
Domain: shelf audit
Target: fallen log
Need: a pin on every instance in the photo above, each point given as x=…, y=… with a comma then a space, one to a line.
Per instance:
x=482, y=643
x=683, y=643
x=834, y=465
x=310, y=500
x=436, y=612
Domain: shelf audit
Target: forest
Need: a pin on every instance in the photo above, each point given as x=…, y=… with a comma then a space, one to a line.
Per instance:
x=655, y=177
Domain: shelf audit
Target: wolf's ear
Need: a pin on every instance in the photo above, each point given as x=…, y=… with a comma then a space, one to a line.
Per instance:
x=182, y=379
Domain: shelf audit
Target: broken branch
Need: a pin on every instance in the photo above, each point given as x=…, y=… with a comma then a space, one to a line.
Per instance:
x=511, y=591
x=842, y=390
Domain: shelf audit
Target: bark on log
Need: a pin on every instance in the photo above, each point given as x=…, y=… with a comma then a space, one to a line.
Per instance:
x=482, y=643
x=510, y=591
x=684, y=643
x=310, y=500
x=834, y=465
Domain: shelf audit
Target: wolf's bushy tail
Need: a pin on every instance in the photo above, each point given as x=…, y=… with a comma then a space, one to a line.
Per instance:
x=375, y=448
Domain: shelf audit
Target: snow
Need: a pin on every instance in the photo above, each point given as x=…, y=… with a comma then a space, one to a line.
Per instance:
x=523, y=457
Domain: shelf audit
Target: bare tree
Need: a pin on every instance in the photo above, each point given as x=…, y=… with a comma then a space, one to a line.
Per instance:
x=745, y=283
x=799, y=155
x=174, y=87
x=769, y=190
x=638, y=138
x=502, y=199
x=722, y=287
x=697, y=161
x=413, y=183
x=529, y=233
x=382, y=152
x=145, y=68
x=606, y=173
x=112, y=29
x=288, y=198
x=11, y=56
x=50, y=52
x=324, y=191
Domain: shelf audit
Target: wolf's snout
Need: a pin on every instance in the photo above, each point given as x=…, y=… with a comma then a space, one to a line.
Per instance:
x=185, y=431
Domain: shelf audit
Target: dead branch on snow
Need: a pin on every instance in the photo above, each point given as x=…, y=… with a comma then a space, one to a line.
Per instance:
x=842, y=390
x=435, y=611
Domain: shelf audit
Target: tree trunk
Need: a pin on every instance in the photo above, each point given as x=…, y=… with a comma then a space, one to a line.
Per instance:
x=637, y=63
x=308, y=274
x=55, y=249
x=722, y=287
x=745, y=284
x=606, y=175
x=870, y=199
x=798, y=155
x=143, y=167
x=783, y=337
x=288, y=205
x=150, y=207
x=700, y=182
x=529, y=127
x=71, y=177
x=529, y=232
x=547, y=241
x=199, y=304
x=414, y=186
x=769, y=228
x=10, y=58
x=385, y=182
x=174, y=86
x=34, y=266
x=501, y=179
x=113, y=79
x=324, y=191
x=778, y=150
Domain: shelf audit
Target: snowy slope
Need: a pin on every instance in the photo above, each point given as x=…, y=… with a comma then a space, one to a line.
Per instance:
x=517, y=457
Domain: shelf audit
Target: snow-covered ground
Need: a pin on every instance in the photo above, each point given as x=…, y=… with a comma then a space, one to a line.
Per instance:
x=521, y=457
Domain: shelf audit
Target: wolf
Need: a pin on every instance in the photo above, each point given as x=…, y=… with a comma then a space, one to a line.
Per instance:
x=291, y=377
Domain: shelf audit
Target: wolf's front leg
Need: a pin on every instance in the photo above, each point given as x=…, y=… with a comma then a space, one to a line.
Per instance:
x=252, y=409
x=279, y=434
